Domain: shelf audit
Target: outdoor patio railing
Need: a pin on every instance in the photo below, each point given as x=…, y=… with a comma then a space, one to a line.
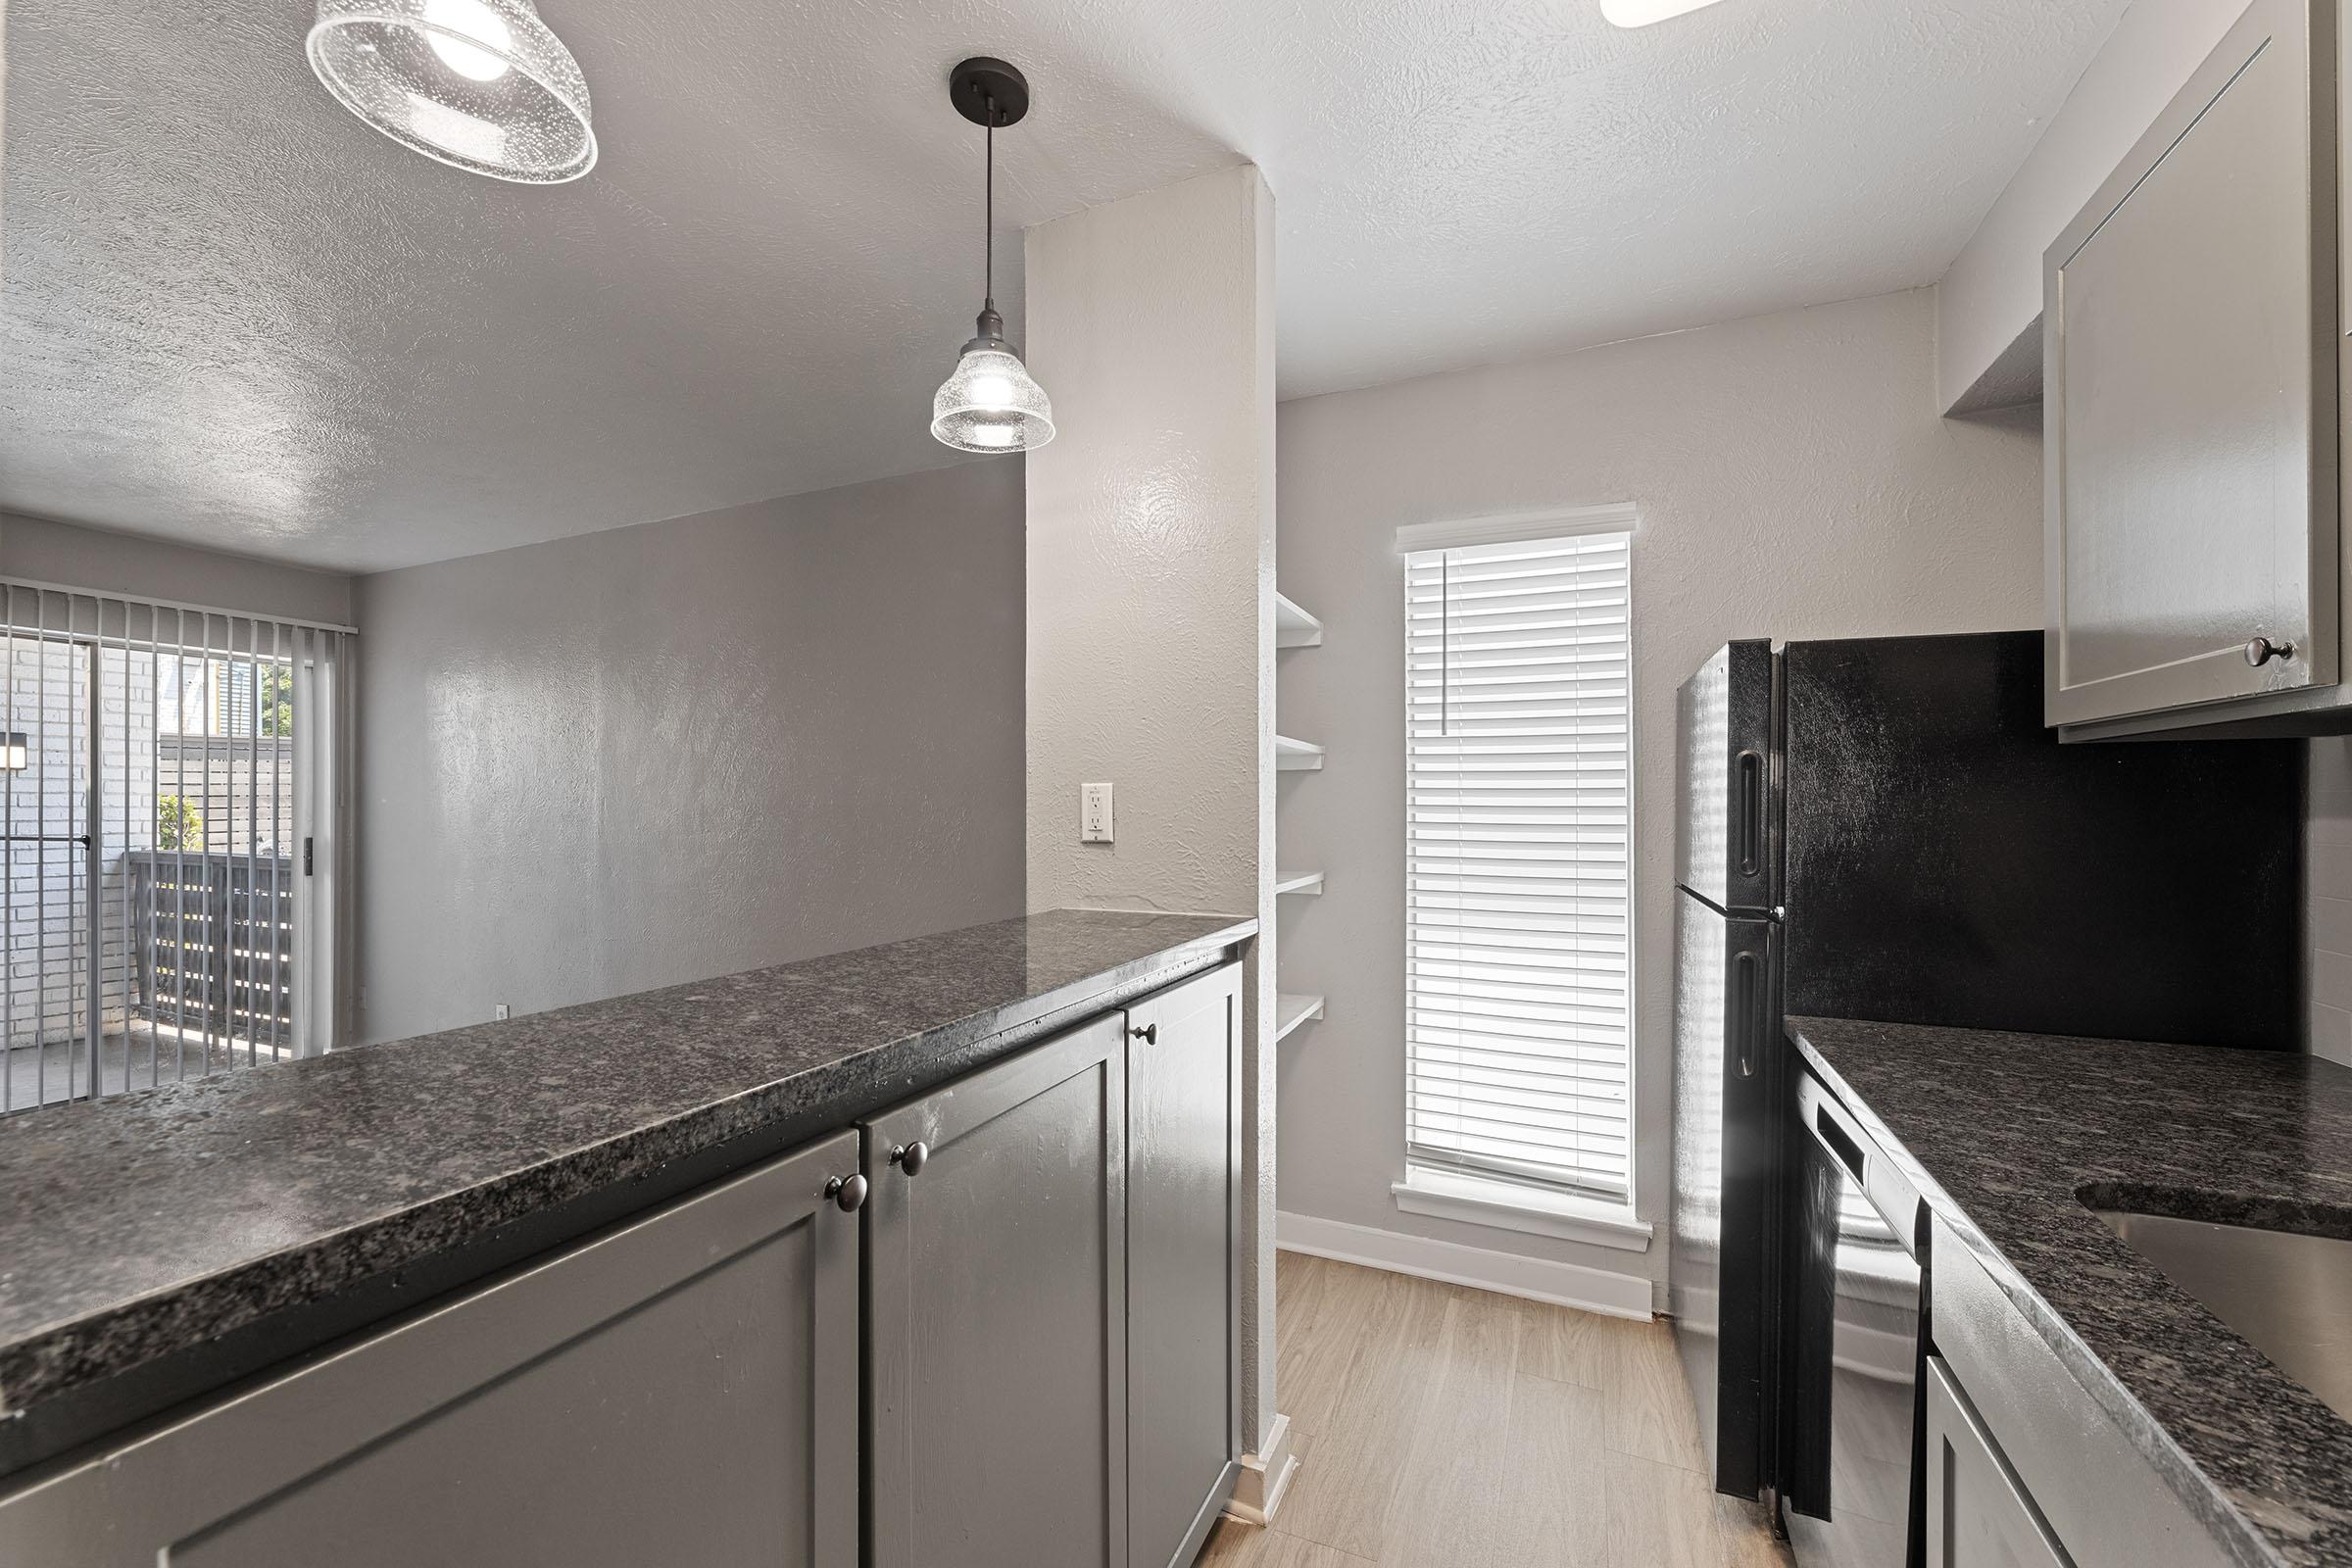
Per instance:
x=214, y=939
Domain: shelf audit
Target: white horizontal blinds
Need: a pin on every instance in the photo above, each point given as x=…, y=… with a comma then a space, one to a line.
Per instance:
x=1517, y=821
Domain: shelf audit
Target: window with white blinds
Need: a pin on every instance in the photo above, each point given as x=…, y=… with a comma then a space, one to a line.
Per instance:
x=1518, y=819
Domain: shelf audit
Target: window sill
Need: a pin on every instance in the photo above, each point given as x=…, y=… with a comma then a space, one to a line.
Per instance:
x=1508, y=1206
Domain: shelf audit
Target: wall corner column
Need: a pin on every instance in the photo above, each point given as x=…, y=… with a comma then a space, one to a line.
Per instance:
x=1149, y=322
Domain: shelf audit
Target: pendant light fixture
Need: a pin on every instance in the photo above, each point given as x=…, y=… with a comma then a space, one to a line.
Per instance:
x=481, y=85
x=990, y=403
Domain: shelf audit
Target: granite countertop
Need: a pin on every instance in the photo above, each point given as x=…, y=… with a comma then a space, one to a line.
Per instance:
x=2008, y=1129
x=160, y=1243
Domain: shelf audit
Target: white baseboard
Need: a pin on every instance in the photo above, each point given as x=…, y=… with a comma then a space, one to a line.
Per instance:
x=1265, y=1478
x=1538, y=1279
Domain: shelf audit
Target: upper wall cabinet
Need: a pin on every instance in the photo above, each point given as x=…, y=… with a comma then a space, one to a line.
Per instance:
x=2192, y=371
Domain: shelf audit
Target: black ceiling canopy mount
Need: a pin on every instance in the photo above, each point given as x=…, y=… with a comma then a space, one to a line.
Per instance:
x=989, y=92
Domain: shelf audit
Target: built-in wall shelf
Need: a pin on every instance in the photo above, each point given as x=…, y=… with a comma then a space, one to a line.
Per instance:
x=1295, y=627
x=1293, y=755
x=1291, y=1009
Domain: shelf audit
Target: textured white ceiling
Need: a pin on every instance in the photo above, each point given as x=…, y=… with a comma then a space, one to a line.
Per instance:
x=233, y=314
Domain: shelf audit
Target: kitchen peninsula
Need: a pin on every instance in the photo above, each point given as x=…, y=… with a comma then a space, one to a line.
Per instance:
x=806, y=1224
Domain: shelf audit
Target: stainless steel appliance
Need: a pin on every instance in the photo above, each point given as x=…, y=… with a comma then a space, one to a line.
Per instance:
x=1857, y=1350
x=2283, y=1291
x=1882, y=828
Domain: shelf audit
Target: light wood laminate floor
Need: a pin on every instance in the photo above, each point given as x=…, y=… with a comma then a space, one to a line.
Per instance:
x=1441, y=1426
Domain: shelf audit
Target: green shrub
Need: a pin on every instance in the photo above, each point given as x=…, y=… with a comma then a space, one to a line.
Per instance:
x=178, y=826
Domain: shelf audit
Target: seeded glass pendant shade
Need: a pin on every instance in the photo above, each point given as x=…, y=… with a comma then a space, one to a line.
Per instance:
x=481, y=85
x=990, y=402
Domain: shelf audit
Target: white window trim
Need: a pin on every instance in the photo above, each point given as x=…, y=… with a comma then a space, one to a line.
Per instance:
x=1509, y=527
x=1510, y=1206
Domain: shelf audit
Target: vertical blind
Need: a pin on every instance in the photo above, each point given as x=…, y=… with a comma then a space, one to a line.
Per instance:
x=169, y=902
x=1518, y=1022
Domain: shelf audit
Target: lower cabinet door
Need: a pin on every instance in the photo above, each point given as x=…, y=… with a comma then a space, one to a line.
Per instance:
x=681, y=1390
x=1184, y=1161
x=1978, y=1514
x=997, y=1336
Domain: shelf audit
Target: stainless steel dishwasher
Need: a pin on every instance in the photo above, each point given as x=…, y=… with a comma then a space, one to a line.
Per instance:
x=1856, y=1477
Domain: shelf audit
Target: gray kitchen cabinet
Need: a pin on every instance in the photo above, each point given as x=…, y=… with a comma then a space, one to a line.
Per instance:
x=997, y=1325
x=2013, y=1419
x=2190, y=395
x=1978, y=1514
x=683, y=1389
x=996, y=1314
x=1184, y=1178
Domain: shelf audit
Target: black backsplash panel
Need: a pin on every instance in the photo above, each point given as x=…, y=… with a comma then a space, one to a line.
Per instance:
x=1949, y=863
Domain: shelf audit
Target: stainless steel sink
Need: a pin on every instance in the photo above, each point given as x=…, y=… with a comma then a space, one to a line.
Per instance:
x=2287, y=1294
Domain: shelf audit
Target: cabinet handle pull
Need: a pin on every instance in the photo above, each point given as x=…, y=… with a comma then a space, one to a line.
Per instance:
x=1148, y=1034
x=849, y=1191
x=2260, y=651
x=909, y=1157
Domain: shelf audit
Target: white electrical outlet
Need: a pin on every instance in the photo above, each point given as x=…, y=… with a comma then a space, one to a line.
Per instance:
x=1093, y=814
x=502, y=1012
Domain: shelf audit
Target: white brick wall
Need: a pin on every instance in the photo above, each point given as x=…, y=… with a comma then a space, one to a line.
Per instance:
x=42, y=913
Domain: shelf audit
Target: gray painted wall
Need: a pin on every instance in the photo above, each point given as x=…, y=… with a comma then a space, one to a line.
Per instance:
x=684, y=749
x=1795, y=481
x=39, y=549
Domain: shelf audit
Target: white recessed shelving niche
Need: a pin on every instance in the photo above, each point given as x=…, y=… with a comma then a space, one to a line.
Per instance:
x=1294, y=628
x=1291, y=1009
x=1293, y=755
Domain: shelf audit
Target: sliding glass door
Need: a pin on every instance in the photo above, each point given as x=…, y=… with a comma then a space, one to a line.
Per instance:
x=171, y=803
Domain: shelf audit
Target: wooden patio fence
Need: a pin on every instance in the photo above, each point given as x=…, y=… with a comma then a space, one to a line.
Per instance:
x=215, y=943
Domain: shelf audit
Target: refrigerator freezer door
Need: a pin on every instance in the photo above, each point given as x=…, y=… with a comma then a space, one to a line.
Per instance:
x=1726, y=829
x=1727, y=1060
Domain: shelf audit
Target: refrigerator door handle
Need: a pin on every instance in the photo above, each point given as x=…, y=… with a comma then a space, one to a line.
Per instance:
x=1747, y=1006
x=1751, y=814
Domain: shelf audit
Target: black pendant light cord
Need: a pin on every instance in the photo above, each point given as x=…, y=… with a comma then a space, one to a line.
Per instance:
x=992, y=95
x=988, y=239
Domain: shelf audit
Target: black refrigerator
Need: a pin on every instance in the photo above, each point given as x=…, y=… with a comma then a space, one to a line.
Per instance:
x=1883, y=829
